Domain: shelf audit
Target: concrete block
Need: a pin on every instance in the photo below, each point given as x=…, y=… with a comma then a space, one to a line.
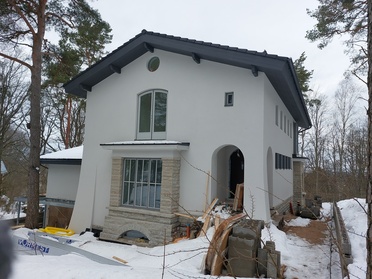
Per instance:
x=248, y=229
x=273, y=264
x=262, y=262
x=270, y=245
x=242, y=257
x=309, y=203
x=310, y=212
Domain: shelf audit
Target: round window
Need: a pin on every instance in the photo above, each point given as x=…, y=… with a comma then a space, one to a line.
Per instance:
x=153, y=64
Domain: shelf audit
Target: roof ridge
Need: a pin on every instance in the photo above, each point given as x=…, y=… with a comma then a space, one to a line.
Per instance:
x=227, y=47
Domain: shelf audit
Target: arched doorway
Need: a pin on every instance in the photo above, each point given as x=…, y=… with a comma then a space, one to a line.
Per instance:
x=236, y=171
x=227, y=172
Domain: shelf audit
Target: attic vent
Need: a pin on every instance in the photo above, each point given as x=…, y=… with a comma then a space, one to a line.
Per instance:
x=153, y=64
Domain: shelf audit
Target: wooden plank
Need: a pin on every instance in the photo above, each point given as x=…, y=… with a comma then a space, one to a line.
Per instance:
x=238, y=199
x=217, y=221
x=209, y=209
x=119, y=259
x=207, y=223
x=207, y=192
x=219, y=257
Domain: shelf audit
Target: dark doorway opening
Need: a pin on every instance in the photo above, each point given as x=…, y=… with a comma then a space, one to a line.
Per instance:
x=236, y=171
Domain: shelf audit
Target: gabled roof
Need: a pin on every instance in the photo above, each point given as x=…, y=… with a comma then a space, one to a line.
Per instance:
x=71, y=156
x=279, y=70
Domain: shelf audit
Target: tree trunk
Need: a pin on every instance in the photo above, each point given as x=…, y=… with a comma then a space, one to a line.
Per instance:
x=369, y=186
x=35, y=127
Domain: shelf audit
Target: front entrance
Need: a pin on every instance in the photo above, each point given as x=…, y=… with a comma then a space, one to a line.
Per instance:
x=236, y=171
x=227, y=172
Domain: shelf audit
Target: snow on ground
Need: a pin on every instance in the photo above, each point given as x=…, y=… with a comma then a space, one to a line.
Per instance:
x=354, y=214
x=12, y=214
x=184, y=259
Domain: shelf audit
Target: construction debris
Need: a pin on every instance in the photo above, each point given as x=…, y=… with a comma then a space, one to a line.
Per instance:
x=311, y=209
x=215, y=256
x=235, y=250
x=238, y=199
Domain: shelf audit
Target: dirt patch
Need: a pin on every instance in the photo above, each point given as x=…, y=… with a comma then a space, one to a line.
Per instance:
x=315, y=233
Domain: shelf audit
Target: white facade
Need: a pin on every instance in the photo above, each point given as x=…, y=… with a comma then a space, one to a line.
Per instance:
x=196, y=113
x=63, y=181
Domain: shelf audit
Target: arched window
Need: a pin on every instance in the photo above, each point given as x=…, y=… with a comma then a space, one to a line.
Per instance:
x=152, y=115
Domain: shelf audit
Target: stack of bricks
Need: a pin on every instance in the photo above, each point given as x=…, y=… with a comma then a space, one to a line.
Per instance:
x=269, y=261
x=243, y=245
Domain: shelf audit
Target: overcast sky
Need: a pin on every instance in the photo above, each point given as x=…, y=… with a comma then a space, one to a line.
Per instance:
x=277, y=26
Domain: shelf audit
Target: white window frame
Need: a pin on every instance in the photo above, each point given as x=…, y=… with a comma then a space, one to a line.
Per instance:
x=142, y=190
x=151, y=135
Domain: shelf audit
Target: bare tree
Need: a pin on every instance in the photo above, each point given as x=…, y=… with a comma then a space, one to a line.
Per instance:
x=13, y=95
x=317, y=108
x=23, y=24
x=344, y=115
x=355, y=158
x=346, y=98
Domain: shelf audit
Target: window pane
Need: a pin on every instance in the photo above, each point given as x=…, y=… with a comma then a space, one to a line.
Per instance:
x=132, y=170
x=125, y=193
x=132, y=193
x=138, y=194
x=157, y=197
x=146, y=170
x=145, y=113
x=160, y=115
x=153, y=171
x=139, y=170
x=152, y=196
x=158, y=172
x=127, y=170
x=145, y=195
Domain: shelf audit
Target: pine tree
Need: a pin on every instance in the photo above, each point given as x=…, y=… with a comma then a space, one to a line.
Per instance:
x=23, y=25
x=353, y=19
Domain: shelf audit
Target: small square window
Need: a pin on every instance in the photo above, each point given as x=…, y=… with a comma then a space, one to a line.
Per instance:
x=229, y=99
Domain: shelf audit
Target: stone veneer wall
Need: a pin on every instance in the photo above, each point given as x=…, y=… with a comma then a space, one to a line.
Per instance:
x=298, y=181
x=157, y=225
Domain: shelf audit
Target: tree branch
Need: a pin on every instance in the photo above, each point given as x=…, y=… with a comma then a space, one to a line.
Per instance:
x=22, y=15
x=15, y=59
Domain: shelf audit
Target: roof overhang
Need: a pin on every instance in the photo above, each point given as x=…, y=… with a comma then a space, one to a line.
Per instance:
x=60, y=161
x=147, y=145
x=279, y=70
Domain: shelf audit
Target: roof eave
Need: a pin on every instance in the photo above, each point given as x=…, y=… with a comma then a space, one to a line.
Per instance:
x=277, y=69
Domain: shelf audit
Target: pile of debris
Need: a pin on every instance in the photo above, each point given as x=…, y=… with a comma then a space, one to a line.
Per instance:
x=235, y=250
x=311, y=209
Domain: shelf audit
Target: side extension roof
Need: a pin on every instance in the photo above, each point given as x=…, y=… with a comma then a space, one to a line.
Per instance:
x=279, y=70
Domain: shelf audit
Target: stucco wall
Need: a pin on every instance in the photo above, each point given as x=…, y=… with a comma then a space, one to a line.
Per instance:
x=195, y=113
x=63, y=181
x=279, y=141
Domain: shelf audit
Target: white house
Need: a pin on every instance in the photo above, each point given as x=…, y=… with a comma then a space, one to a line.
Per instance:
x=163, y=112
